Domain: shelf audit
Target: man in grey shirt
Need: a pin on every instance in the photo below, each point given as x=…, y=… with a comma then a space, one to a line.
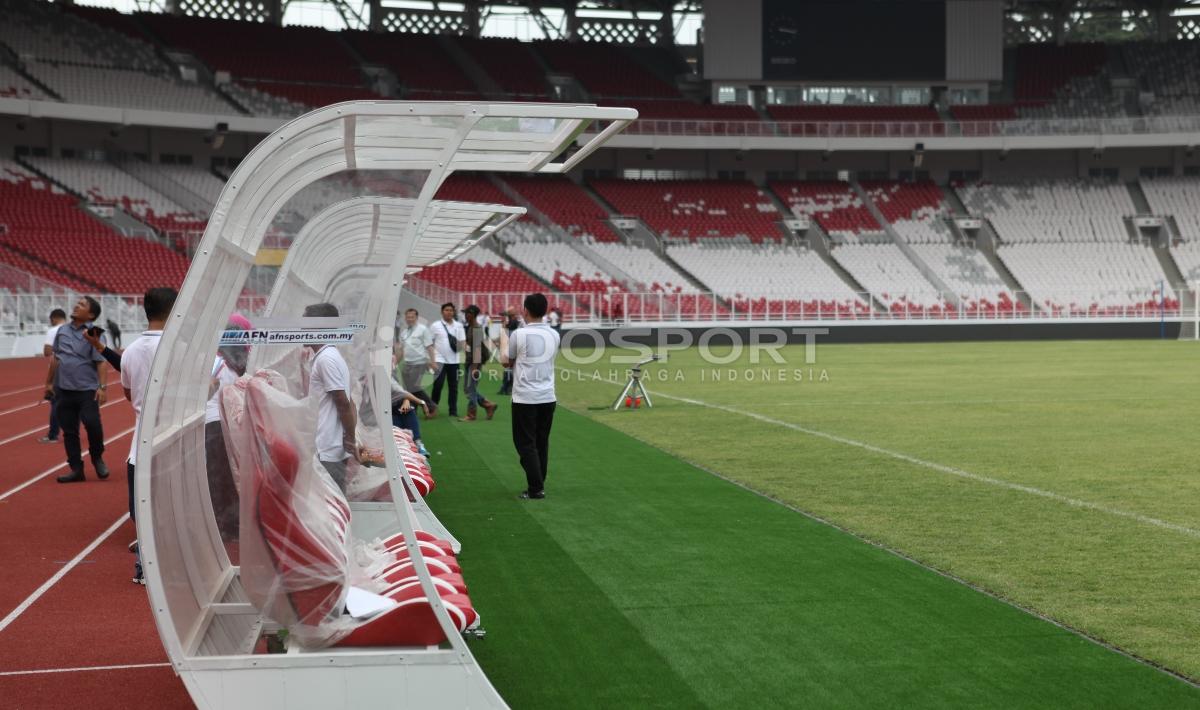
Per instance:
x=416, y=357
x=77, y=381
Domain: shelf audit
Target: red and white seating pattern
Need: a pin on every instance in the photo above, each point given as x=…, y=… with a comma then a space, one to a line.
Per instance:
x=1052, y=211
x=106, y=184
x=198, y=181
x=556, y=263
x=696, y=209
x=833, y=205
x=1115, y=279
x=644, y=265
x=567, y=205
x=884, y=270
x=420, y=62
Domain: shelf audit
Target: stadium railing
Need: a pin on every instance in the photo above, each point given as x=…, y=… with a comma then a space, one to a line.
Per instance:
x=610, y=309
x=1136, y=125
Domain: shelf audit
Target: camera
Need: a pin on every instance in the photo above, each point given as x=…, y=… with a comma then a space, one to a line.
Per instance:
x=95, y=331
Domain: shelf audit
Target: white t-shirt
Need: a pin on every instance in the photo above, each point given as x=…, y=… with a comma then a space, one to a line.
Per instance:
x=329, y=374
x=552, y=319
x=224, y=375
x=441, y=343
x=532, y=349
x=51, y=334
x=135, y=375
x=416, y=341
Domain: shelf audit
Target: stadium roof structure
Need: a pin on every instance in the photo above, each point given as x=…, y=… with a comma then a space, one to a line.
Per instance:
x=355, y=252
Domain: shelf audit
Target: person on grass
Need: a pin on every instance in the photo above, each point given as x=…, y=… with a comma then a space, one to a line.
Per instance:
x=415, y=357
x=76, y=381
x=57, y=317
x=531, y=350
x=135, y=378
x=447, y=342
x=329, y=382
x=477, y=353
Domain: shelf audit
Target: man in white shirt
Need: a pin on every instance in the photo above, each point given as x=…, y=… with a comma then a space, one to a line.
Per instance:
x=531, y=350
x=135, y=376
x=329, y=380
x=57, y=317
x=448, y=336
x=417, y=356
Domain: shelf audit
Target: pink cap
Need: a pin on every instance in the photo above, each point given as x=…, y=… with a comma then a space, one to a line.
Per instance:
x=237, y=320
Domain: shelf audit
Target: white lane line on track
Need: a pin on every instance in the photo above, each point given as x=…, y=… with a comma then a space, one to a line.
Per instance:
x=49, y=583
x=932, y=465
x=82, y=669
x=3, y=395
x=62, y=465
x=36, y=429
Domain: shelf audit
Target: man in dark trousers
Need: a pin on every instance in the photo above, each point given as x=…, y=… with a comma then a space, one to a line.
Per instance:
x=531, y=351
x=448, y=335
x=76, y=380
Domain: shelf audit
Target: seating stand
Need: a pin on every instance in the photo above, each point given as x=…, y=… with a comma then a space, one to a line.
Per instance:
x=355, y=253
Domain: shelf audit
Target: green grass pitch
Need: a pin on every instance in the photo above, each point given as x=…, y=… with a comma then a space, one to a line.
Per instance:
x=1058, y=476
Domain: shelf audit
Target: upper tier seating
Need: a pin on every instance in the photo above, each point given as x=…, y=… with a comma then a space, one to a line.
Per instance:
x=1178, y=197
x=263, y=104
x=1043, y=69
x=1170, y=71
x=567, y=205
x=127, y=88
x=422, y=65
x=249, y=50
x=1187, y=257
x=680, y=110
x=39, y=30
x=15, y=86
x=696, y=209
x=833, y=205
x=770, y=280
x=466, y=187
x=106, y=184
x=985, y=112
x=511, y=64
x=1062, y=210
x=60, y=242
x=605, y=71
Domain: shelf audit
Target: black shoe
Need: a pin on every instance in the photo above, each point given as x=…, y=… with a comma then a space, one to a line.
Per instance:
x=72, y=477
x=138, y=577
x=526, y=495
x=101, y=469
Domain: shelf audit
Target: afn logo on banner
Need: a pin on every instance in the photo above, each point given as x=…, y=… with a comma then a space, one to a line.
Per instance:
x=293, y=336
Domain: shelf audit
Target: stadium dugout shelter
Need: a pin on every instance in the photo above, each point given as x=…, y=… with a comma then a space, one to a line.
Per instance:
x=358, y=581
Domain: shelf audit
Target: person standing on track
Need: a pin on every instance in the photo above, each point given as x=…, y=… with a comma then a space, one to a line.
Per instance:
x=135, y=376
x=76, y=380
x=57, y=317
x=531, y=350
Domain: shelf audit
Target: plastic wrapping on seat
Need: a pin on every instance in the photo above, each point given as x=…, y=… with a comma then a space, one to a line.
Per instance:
x=299, y=558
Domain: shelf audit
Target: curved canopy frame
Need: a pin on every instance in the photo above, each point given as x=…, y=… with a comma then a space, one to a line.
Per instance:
x=361, y=247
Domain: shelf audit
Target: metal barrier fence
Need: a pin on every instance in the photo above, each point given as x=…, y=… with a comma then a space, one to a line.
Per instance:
x=1132, y=125
x=626, y=308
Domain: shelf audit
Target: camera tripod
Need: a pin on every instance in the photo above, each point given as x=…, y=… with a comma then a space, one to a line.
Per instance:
x=635, y=388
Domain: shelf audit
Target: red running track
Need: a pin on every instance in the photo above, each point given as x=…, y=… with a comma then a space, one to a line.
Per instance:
x=74, y=630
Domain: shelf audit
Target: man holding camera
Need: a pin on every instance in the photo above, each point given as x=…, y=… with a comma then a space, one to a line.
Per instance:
x=76, y=381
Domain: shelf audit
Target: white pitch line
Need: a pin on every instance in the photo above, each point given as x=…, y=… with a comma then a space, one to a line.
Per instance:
x=36, y=429
x=81, y=669
x=49, y=583
x=934, y=466
x=49, y=471
x=40, y=402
